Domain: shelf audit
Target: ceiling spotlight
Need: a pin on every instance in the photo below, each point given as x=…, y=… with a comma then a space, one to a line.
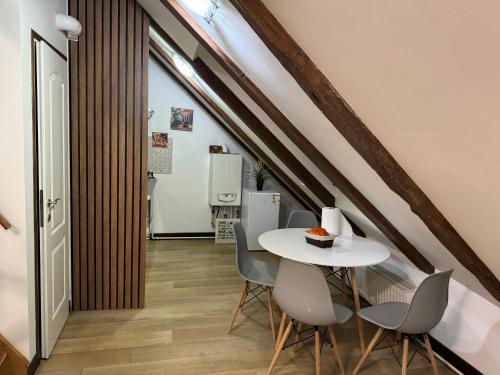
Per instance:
x=204, y=8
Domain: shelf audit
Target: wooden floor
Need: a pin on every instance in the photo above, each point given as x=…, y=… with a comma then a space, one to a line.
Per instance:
x=191, y=289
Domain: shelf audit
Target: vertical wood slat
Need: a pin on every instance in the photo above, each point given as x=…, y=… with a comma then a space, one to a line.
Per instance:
x=137, y=155
x=122, y=132
x=144, y=157
x=108, y=72
x=90, y=155
x=106, y=151
x=114, y=155
x=98, y=154
x=82, y=80
x=129, y=165
x=74, y=155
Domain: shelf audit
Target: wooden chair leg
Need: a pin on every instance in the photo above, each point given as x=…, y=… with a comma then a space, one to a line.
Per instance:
x=404, y=362
x=280, y=347
x=297, y=337
x=431, y=354
x=271, y=314
x=280, y=331
x=368, y=350
x=237, y=308
x=246, y=295
x=317, y=350
x=336, y=349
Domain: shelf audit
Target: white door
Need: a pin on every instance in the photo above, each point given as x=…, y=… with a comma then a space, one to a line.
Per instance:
x=54, y=173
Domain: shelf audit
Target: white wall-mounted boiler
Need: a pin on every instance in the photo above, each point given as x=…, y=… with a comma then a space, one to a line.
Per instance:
x=225, y=176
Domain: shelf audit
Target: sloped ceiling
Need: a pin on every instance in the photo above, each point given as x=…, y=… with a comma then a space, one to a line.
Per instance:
x=425, y=76
x=314, y=25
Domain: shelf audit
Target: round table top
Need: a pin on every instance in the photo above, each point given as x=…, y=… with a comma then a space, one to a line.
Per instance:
x=346, y=251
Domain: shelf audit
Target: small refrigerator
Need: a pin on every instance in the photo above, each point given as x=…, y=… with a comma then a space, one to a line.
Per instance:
x=259, y=213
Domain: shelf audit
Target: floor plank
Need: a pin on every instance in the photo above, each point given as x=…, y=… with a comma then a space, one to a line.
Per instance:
x=191, y=288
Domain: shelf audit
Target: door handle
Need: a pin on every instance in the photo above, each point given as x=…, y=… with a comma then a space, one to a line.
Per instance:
x=52, y=203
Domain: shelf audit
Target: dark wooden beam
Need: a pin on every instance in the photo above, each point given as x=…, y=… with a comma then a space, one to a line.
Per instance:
x=203, y=99
x=334, y=107
x=349, y=190
x=4, y=223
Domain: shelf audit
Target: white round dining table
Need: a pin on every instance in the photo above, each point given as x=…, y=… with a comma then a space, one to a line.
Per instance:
x=349, y=252
x=346, y=253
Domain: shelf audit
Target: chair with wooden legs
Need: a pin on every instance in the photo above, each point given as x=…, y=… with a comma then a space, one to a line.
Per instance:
x=254, y=271
x=302, y=293
x=412, y=320
x=302, y=219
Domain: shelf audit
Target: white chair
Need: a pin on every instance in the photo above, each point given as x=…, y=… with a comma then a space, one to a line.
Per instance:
x=302, y=293
x=255, y=271
x=302, y=219
x=416, y=318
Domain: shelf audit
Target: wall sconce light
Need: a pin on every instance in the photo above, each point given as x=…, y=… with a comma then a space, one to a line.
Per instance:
x=151, y=112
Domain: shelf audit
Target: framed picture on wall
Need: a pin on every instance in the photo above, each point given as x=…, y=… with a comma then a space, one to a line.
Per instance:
x=181, y=119
x=160, y=140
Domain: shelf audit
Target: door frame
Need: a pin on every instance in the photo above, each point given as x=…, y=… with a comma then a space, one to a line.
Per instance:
x=37, y=202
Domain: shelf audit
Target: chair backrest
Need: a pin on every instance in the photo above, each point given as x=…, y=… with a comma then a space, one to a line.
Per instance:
x=428, y=304
x=302, y=219
x=243, y=259
x=302, y=292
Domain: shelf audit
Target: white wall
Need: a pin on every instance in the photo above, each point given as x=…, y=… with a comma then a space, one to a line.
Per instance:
x=180, y=201
x=17, y=19
x=13, y=267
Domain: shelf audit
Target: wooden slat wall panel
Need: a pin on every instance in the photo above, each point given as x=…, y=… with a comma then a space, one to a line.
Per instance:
x=108, y=78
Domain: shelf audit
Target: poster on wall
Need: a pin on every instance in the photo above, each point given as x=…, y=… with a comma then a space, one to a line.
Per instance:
x=160, y=154
x=181, y=119
x=160, y=140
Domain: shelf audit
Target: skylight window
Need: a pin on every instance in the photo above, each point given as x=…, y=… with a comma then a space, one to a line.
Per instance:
x=204, y=8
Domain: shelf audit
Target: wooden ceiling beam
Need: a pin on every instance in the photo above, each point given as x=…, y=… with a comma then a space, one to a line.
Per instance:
x=337, y=178
x=231, y=127
x=319, y=89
